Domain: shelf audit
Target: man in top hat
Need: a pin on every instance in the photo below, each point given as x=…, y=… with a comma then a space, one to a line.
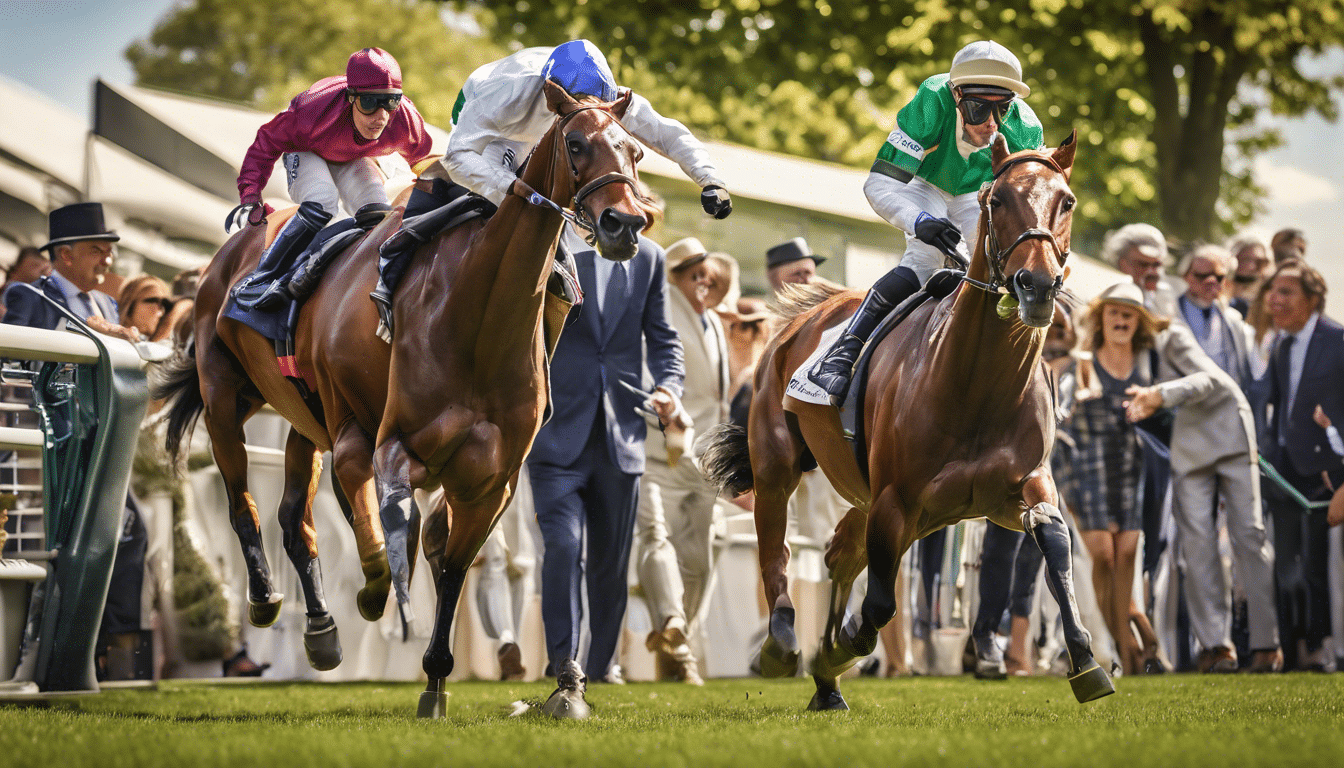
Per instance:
x=791, y=262
x=677, y=507
x=81, y=249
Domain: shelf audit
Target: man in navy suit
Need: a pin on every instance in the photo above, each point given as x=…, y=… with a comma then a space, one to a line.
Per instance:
x=1305, y=370
x=81, y=250
x=587, y=460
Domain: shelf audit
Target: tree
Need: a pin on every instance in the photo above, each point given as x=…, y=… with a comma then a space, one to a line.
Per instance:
x=1164, y=93
x=264, y=53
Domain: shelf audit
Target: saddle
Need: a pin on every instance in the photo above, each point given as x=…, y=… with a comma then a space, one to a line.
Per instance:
x=939, y=285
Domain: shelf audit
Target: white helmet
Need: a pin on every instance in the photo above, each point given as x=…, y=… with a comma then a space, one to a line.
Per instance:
x=985, y=62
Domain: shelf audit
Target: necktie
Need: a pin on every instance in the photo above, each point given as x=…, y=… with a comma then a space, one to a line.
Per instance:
x=92, y=305
x=614, y=300
x=1208, y=313
x=1285, y=373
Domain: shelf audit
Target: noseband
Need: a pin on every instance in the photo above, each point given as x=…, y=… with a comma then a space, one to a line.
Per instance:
x=580, y=216
x=998, y=257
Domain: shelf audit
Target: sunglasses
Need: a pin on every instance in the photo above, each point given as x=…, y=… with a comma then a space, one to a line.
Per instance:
x=975, y=110
x=369, y=103
x=1202, y=276
x=167, y=304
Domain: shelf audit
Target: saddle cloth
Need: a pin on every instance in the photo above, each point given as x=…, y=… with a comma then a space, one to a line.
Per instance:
x=800, y=387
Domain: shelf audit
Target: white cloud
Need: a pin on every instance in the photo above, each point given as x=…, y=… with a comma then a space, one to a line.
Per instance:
x=1289, y=186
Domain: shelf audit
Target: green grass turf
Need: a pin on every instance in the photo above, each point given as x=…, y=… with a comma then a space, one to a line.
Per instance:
x=1181, y=720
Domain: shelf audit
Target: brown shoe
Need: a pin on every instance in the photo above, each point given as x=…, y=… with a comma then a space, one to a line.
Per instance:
x=242, y=665
x=1218, y=660
x=511, y=662
x=1266, y=661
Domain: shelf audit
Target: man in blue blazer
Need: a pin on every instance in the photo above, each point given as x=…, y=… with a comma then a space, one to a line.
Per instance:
x=586, y=462
x=81, y=253
x=1306, y=369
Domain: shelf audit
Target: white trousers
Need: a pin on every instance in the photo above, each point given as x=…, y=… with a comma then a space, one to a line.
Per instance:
x=961, y=210
x=506, y=583
x=674, y=532
x=312, y=179
x=1194, y=502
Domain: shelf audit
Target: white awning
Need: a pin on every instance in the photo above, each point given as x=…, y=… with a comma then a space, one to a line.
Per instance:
x=138, y=190
x=42, y=133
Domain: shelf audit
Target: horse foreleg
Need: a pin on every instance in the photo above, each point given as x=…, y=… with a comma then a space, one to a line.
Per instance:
x=471, y=527
x=847, y=638
x=396, y=509
x=1045, y=524
x=352, y=460
x=303, y=467
x=775, y=453
x=225, y=413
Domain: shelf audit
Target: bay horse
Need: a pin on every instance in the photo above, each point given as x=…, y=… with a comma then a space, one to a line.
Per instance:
x=463, y=384
x=959, y=420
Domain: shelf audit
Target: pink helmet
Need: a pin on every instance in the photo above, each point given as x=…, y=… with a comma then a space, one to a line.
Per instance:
x=372, y=69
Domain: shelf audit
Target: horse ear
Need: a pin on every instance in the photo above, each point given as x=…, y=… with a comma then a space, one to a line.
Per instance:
x=999, y=151
x=621, y=104
x=1063, y=155
x=557, y=99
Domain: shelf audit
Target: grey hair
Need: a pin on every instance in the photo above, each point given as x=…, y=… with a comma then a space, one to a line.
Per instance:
x=1246, y=240
x=1215, y=253
x=1134, y=236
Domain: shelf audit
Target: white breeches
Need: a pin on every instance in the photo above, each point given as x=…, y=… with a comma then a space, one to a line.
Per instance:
x=356, y=183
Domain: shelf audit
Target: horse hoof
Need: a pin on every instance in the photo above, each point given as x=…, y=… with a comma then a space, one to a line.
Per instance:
x=372, y=599
x=433, y=705
x=265, y=613
x=1091, y=683
x=827, y=701
x=779, y=655
x=989, y=669
x=322, y=643
x=567, y=704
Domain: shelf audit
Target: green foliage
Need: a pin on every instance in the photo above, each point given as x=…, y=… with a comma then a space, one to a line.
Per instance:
x=264, y=53
x=1186, y=720
x=1163, y=93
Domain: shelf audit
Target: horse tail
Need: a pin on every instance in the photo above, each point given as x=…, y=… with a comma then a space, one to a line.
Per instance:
x=178, y=382
x=726, y=461
x=795, y=299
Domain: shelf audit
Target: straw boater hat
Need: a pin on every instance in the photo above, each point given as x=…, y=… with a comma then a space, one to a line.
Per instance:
x=1127, y=294
x=686, y=252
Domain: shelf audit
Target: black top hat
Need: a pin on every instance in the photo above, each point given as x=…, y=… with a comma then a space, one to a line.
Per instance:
x=793, y=250
x=81, y=221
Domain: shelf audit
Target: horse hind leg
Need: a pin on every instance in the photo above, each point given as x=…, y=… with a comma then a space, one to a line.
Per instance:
x=225, y=412
x=847, y=638
x=1045, y=524
x=397, y=510
x=303, y=467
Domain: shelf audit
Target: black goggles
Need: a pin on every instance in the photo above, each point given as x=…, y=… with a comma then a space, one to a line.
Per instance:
x=975, y=110
x=368, y=103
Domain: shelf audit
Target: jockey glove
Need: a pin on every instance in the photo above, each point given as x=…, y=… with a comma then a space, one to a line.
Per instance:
x=714, y=199
x=255, y=212
x=940, y=233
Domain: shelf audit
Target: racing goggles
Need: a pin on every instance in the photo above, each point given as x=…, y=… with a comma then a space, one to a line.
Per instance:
x=369, y=103
x=977, y=103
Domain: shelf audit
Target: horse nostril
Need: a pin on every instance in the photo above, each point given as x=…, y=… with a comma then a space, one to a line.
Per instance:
x=1023, y=280
x=609, y=223
x=612, y=223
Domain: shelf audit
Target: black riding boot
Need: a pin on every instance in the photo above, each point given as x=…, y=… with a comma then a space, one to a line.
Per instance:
x=832, y=372
x=333, y=241
x=259, y=289
x=390, y=269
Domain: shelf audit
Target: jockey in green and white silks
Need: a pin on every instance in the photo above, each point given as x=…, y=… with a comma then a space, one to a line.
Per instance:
x=926, y=179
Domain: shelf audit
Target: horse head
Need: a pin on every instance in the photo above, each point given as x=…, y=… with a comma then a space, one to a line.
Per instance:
x=601, y=156
x=1027, y=217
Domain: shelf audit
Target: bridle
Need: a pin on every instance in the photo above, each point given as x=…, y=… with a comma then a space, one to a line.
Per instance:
x=579, y=216
x=998, y=257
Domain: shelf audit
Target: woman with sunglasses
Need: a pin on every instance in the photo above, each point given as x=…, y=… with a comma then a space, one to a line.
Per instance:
x=142, y=303
x=926, y=178
x=329, y=136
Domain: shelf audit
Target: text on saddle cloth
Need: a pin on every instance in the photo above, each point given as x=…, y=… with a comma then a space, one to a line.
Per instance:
x=800, y=387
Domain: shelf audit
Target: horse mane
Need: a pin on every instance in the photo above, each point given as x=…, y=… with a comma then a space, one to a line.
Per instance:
x=794, y=299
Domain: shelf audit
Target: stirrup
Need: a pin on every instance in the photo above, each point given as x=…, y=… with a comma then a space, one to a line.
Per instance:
x=384, y=330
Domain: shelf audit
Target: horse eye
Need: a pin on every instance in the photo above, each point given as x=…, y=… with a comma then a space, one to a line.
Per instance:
x=995, y=202
x=1069, y=202
x=575, y=147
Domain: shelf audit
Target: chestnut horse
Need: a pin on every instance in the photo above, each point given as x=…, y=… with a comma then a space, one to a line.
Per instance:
x=959, y=420
x=463, y=385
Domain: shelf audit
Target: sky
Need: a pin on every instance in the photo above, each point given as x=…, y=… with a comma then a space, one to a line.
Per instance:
x=58, y=47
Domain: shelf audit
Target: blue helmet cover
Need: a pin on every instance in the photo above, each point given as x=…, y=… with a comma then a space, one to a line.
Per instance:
x=580, y=68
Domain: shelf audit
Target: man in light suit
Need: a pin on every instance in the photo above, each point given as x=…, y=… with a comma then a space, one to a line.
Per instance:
x=586, y=461
x=1306, y=369
x=1213, y=453
x=1220, y=330
x=674, y=529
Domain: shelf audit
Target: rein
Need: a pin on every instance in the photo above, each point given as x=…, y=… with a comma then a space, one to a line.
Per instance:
x=998, y=257
x=580, y=217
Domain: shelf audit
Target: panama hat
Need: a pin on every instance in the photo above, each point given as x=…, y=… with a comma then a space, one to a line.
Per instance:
x=686, y=252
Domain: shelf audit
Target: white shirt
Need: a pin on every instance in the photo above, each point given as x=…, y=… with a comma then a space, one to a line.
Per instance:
x=504, y=115
x=1297, y=360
